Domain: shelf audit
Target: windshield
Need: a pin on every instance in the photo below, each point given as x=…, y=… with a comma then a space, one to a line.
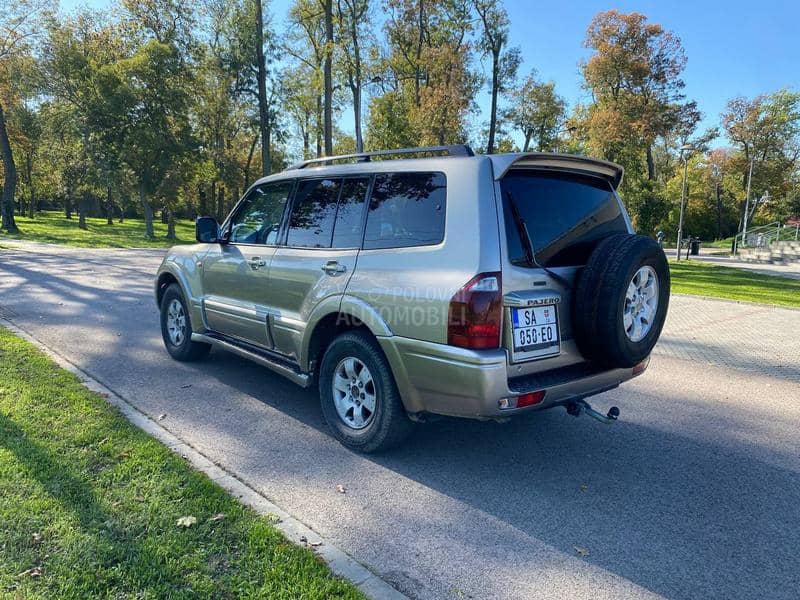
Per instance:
x=563, y=213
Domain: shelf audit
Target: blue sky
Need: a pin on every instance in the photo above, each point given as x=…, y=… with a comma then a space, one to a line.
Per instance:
x=734, y=47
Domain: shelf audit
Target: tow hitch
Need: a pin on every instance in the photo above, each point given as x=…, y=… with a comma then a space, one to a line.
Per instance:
x=579, y=406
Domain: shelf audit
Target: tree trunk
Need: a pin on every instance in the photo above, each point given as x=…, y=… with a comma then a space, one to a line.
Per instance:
x=83, y=207
x=319, y=128
x=10, y=181
x=149, y=232
x=249, y=162
x=170, y=224
x=68, y=202
x=651, y=165
x=495, y=90
x=109, y=206
x=164, y=216
x=263, y=109
x=328, y=76
x=32, y=203
x=220, y=202
x=528, y=136
x=202, y=200
x=719, y=212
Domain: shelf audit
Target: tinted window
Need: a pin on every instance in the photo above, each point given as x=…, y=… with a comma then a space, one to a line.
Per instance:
x=565, y=214
x=258, y=218
x=313, y=213
x=347, y=233
x=406, y=209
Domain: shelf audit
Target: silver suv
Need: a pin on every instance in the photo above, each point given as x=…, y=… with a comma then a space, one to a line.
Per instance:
x=429, y=281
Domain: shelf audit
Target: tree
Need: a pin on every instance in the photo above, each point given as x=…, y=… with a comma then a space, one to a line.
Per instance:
x=353, y=23
x=538, y=112
x=426, y=72
x=261, y=78
x=634, y=76
x=505, y=61
x=20, y=23
x=327, y=7
x=766, y=131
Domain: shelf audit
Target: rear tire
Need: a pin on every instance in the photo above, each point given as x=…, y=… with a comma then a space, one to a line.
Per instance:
x=176, y=327
x=359, y=397
x=621, y=300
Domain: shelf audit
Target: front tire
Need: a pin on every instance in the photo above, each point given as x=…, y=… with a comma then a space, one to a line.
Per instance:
x=358, y=395
x=176, y=327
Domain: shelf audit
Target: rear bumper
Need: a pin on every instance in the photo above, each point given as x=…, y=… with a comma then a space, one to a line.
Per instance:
x=441, y=379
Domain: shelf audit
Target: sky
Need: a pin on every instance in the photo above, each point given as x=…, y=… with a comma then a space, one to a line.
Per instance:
x=734, y=47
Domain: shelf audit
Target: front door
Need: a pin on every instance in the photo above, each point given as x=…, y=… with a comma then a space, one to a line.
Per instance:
x=323, y=237
x=236, y=274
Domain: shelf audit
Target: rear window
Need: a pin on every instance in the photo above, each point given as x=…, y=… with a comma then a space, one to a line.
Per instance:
x=565, y=215
x=406, y=209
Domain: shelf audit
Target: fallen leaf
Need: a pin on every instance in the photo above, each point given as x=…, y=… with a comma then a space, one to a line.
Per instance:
x=34, y=572
x=303, y=539
x=139, y=498
x=274, y=519
x=187, y=521
x=188, y=385
x=162, y=416
x=581, y=551
x=584, y=487
x=37, y=538
x=217, y=518
x=341, y=489
x=315, y=544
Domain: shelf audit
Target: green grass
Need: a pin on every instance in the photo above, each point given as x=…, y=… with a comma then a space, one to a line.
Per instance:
x=89, y=506
x=53, y=228
x=703, y=279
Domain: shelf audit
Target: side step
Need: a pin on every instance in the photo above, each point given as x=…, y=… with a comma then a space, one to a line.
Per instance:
x=264, y=358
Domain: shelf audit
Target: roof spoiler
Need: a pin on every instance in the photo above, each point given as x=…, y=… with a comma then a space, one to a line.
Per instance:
x=569, y=162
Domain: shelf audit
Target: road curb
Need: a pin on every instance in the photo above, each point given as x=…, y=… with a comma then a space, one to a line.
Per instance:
x=340, y=563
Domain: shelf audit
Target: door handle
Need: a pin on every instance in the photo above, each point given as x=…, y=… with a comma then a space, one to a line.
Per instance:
x=333, y=267
x=256, y=263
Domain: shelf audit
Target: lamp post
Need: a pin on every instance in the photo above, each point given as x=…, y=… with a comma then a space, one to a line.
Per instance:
x=747, y=202
x=685, y=150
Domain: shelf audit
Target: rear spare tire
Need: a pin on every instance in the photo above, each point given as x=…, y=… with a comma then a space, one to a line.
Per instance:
x=621, y=300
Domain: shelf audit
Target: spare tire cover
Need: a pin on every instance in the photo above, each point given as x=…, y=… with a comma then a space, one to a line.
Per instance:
x=621, y=300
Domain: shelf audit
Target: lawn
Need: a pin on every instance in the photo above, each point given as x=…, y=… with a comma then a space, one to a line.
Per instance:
x=89, y=506
x=52, y=227
x=703, y=279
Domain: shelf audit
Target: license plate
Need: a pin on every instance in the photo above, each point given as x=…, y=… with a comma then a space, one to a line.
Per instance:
x=535, y=332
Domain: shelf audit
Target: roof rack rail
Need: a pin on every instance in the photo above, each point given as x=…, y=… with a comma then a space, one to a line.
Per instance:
x=455, y=150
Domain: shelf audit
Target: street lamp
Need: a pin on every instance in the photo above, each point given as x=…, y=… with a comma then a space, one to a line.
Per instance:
x=747, y=202
x=685, y=151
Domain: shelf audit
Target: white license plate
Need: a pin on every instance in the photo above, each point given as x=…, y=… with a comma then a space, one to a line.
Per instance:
x=535, y=332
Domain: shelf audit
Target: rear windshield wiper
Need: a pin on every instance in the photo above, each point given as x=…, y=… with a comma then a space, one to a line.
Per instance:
x=522, y=231
x=527, y=244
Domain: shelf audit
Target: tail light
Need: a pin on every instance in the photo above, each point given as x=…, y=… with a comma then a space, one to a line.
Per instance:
x=476, y=311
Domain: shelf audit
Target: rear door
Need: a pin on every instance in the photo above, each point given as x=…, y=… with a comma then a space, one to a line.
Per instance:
x=323, y=236
x=236, y=274
x=553, y=219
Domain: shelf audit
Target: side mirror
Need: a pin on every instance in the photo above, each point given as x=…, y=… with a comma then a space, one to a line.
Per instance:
x=206, y=230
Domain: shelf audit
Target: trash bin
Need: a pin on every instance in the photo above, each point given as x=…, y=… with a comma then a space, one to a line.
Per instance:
x=694, y=246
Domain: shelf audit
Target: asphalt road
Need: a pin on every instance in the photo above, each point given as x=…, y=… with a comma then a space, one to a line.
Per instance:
x=695, y=493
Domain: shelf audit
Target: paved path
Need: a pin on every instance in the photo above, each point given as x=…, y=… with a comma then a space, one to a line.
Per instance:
x=695, y=493
x=790, y=270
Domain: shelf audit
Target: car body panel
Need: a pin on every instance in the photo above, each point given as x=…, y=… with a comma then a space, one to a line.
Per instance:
x=235, y=293
x=402, y=294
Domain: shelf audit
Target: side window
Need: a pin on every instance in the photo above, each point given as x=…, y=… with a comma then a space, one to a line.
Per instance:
x=313, y=213
x=258, y=218
x=406, y=209
x=347, y=231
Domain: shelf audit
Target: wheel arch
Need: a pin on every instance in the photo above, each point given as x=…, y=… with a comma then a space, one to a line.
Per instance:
x=350, y=314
